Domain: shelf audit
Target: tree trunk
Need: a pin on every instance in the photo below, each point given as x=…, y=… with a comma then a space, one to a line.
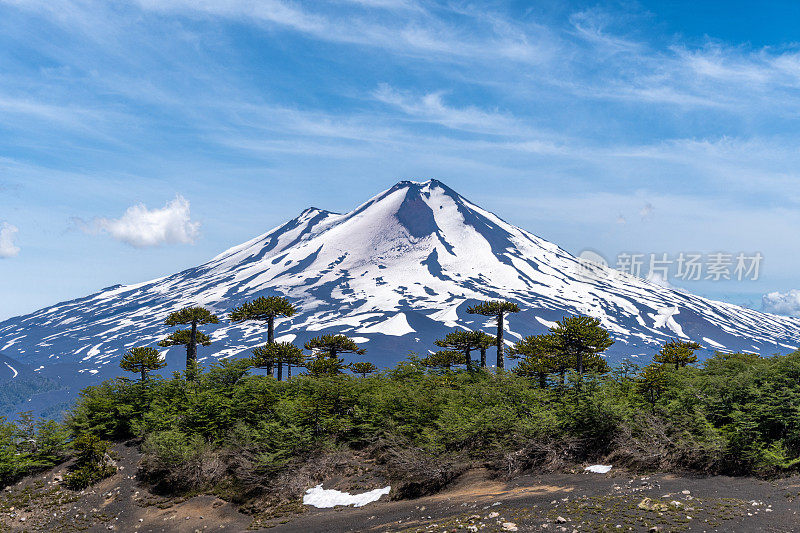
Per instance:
x=144, y=374
x=189, y=361
x=542, y=380
x=271, y=340
x=500, y=362
x=270, y=329
x=468, y=359
x=579, y=366
x=191, y=352
x=288, y=370
x=483, y=357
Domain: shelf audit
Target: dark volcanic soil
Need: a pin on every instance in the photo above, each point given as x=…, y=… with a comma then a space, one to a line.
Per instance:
x=558, y=502
x=578, y=502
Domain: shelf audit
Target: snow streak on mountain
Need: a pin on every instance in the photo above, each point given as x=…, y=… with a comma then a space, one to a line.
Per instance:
x=395, y=274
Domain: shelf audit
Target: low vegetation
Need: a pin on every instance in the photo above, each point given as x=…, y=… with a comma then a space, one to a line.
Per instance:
x=232, y=429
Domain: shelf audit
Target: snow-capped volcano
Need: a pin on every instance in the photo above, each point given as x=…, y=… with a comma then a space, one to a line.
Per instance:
x=395, y=273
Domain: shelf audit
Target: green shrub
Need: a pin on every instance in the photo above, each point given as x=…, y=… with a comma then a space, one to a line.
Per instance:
x=93, y=462
x=173, y=448
x=735, y=414
x=28, y=445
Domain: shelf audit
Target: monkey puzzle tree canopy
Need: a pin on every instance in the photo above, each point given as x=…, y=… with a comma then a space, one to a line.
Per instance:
x=580, y=338
x=443, y=359
x=539, y=357
x=277, y=353
x=142, y=360
x=184, y=337
x=464, y=342
x=497, y=309
x=191, y=315
x=333, y=345
x=325, y=366
x=265, y=309
x=363, y=368
x=679, y=353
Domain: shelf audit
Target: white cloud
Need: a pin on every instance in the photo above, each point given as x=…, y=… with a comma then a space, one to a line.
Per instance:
x=782, y=303
x=7, y=235
x=141, y=227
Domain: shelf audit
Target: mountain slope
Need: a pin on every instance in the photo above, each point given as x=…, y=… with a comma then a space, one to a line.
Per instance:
x=396, y=273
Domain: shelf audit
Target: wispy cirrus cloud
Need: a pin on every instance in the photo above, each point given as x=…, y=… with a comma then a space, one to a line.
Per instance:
x=432, y=108
x=560, y=107
x=367, y=24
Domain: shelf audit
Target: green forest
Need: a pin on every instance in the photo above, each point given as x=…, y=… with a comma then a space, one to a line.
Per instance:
x=237, y=425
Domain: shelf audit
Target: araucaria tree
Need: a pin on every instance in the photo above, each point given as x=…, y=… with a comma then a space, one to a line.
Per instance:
x=327, y=350
x=325, y=366
x=464, y=342
x=679, y=353
x=333, y=346
x=293, y=357
x=264, y=309
x=443, y=359
x=277, y=353
x=580, y=338
x=142, y=361
x=652, y=383
x=363, y=368
x=539, y=357
x=183, y=337
x=192, y=316
x=485, y=342
x=497, y=310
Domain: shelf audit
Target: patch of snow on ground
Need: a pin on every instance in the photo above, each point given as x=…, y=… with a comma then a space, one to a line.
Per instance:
x=14, y=370
x=325, y=498
x=713, y=343
x=598, y=469
x=665, y=317
x=397, y=326
x=545, y=323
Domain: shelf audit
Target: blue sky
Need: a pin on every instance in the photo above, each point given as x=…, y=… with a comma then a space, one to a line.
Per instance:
x=139, y=138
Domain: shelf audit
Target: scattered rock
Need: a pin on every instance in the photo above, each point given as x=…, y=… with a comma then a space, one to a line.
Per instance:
x=649, y=505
